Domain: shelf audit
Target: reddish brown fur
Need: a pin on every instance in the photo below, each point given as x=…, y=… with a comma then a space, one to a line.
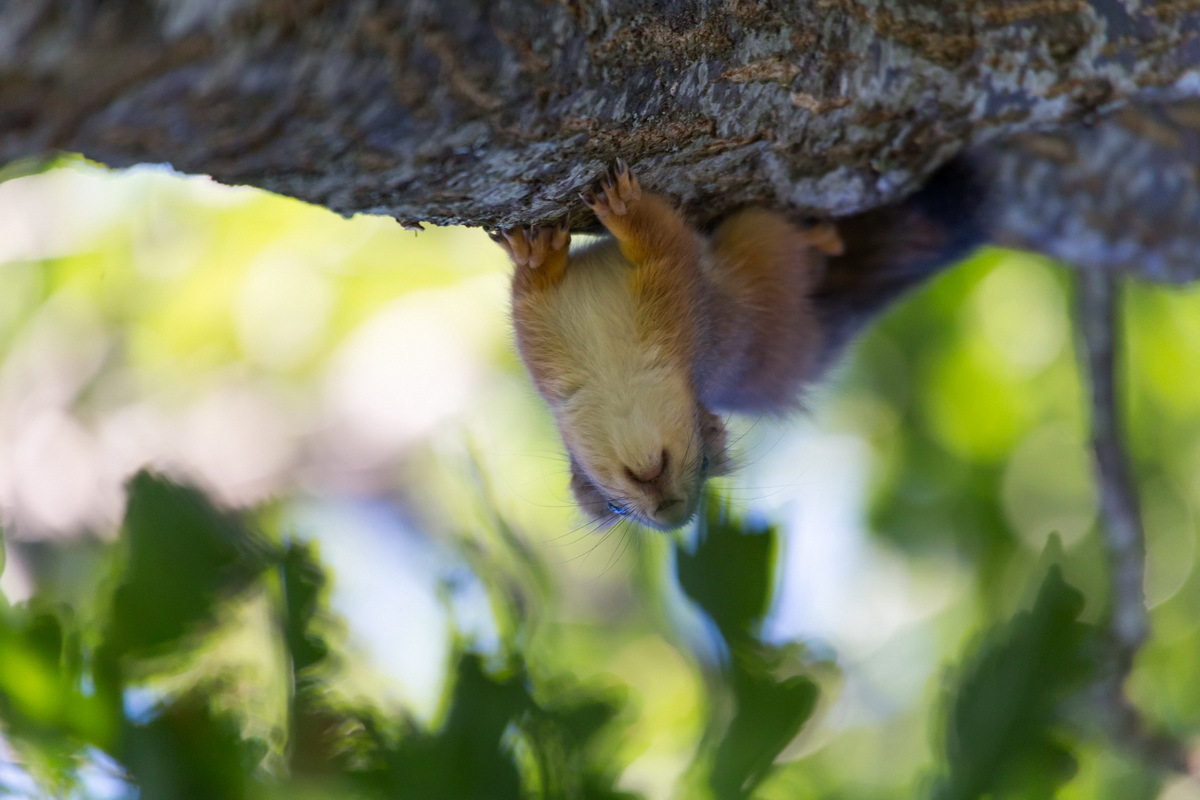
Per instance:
x=738, y=322
x=666, y=280
x=540, y=256
x=763, y=334
x=745, y=324
x=732, y=314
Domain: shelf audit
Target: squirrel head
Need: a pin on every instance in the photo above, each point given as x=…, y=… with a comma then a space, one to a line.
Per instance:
x=644, y=458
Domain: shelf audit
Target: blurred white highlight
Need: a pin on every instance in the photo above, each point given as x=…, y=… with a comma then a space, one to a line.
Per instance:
x=282, y=311
x=407, y=370
x=837, y=586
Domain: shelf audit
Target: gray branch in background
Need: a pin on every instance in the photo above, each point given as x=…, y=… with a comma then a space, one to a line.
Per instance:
x=1099, y=320
x=1118, y=194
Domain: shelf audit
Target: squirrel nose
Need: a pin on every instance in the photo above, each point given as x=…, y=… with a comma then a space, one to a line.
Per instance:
x=650, y=472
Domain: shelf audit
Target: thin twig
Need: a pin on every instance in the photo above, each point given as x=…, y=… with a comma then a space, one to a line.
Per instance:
x=1099, y=320
x=1122, y=520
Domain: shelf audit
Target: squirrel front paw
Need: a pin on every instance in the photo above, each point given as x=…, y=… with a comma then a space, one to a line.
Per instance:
x=532, y=247
x=614, y=193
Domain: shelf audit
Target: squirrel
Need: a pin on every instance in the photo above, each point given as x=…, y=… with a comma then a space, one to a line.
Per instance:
x=639, y=340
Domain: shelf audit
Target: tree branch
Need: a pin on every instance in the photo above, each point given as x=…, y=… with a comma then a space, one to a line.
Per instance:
x=496, y=112
x=1099, y=321
x=1120, y=194
x=1120, y=512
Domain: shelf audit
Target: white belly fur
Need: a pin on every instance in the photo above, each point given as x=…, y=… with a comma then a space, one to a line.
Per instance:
x=631, y=400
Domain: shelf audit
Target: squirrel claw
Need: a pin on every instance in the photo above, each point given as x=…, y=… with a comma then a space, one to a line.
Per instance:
x=518, y=245
x=614, y=192
x=531, y=246
x=561, y=236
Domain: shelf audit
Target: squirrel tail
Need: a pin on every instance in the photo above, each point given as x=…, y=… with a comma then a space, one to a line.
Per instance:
x=892, y=249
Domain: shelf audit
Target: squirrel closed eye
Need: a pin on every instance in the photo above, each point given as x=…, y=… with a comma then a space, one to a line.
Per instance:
x=637, y=341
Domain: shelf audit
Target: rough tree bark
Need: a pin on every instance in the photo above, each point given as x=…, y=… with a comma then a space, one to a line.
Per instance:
x=1121, y=193
x=496, y=112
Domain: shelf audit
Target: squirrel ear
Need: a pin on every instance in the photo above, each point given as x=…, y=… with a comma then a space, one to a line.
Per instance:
x=587, y=496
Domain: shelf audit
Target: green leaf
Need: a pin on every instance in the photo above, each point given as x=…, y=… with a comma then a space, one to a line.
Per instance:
x=183, y=557
x=770, y=713
x=1002, y=737
x=495, y=743
x=188, y=752
x=730, y=575
x=303, y=586
x=29, y=165
x=314, y=741
x=46, y=715
x=573, y=758
x=468, y=757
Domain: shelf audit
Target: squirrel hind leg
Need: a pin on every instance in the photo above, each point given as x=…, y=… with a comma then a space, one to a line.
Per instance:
x=765, y=268
x=895, y=248
x=826, y=237
x=768, y=246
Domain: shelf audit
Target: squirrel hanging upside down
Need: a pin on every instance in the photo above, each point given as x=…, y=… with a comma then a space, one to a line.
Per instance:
x=637, y=341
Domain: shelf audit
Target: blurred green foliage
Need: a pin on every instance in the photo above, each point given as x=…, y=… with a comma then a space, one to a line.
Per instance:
x=1002, y=738
x=501, y=733
x=730, y=577
x=402, y=602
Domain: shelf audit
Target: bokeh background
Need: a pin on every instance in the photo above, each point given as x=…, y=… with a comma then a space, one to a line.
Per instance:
x=354, y=384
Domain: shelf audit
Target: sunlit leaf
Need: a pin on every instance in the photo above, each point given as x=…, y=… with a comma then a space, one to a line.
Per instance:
x=730, y=575
x=45, y=712
x=566, y=738
x=30, y=165
x=314, y=736
x=468, y=756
